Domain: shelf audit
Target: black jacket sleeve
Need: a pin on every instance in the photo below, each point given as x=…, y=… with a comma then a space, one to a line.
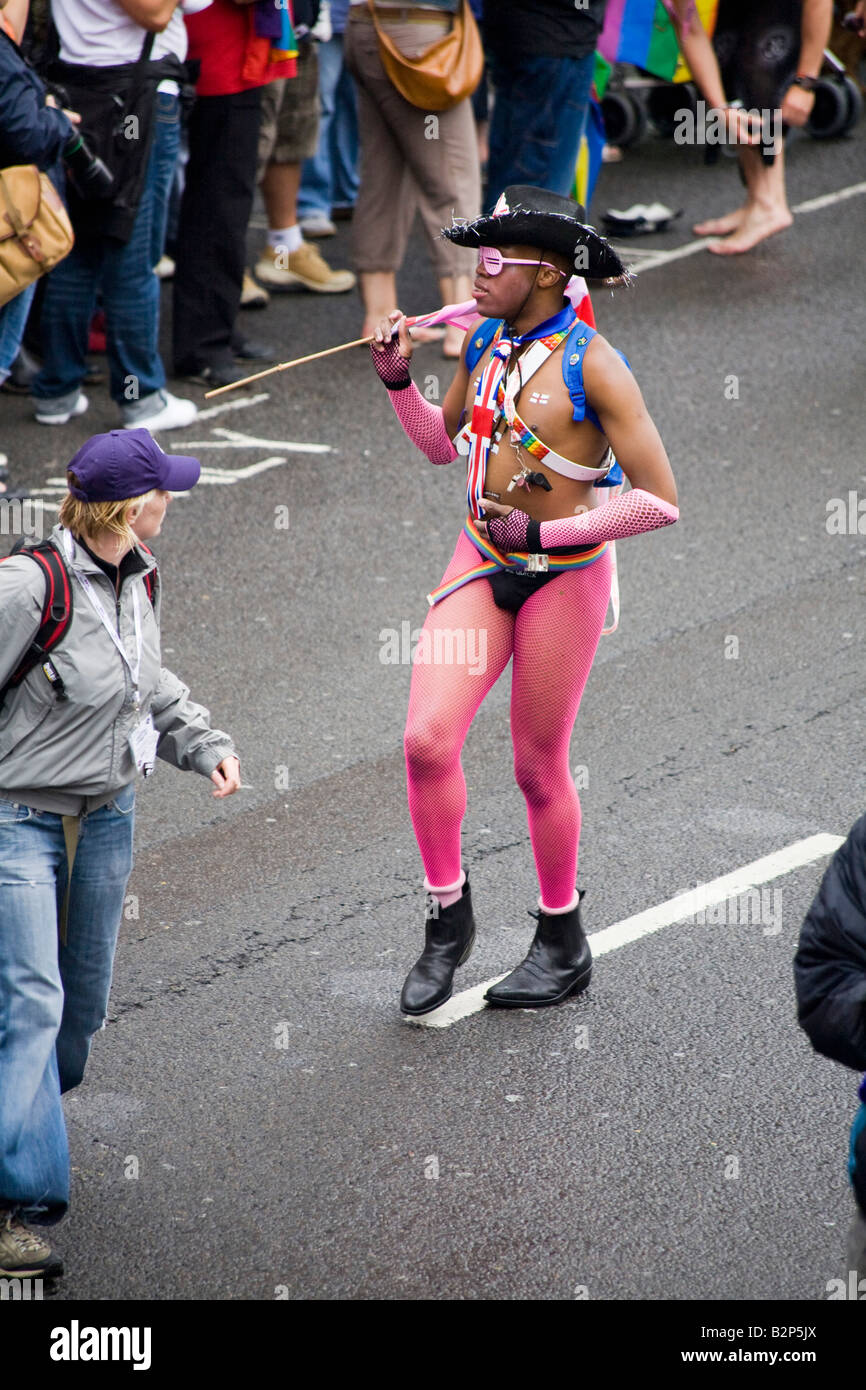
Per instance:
x=30, y=131
x=830, y=964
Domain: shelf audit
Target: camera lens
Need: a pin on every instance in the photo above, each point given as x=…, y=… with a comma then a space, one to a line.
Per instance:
x=90, y=176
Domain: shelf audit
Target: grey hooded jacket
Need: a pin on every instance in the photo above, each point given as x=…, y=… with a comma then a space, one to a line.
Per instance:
x=73, y=754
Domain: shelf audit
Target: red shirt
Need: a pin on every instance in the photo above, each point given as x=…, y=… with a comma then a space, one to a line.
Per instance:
x=233, y=58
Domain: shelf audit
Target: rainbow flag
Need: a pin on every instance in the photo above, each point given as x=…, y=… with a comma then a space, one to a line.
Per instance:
x=272, y=19
x=642, y=32
x=590, y=154
x=600, y=76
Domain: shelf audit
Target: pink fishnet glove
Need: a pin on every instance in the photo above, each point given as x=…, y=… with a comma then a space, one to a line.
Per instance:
x=422, y=421
x=636, y=512
x=390, y=363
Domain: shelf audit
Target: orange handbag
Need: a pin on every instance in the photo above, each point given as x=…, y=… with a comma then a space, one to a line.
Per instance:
x=445, y=73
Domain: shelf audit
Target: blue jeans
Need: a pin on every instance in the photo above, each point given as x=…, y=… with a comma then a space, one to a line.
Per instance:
x=539, y=116
x=331, y=175
x=13, y=321
x=123, y=275
x=53, y=995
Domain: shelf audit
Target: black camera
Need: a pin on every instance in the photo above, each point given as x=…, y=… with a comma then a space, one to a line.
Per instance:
x=90, y=177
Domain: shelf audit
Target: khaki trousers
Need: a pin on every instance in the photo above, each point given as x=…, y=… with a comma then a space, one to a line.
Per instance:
x=410, y=160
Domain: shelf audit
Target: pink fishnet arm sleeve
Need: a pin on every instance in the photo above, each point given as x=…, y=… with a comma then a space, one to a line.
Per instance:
x=624, y=516
x=422, y=421
x=630, y=515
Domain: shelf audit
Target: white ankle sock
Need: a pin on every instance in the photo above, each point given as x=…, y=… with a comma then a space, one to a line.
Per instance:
x=559, y=911
x=285, y=238
x=446, y=896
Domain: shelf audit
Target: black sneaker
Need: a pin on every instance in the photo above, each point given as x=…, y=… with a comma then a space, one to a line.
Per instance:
x=221, y=374
x=248, y=350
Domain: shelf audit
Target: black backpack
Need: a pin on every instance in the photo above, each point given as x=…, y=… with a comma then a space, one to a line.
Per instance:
x=56, y=612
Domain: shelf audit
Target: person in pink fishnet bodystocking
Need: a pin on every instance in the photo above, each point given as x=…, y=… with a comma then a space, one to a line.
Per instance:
x=540, y=404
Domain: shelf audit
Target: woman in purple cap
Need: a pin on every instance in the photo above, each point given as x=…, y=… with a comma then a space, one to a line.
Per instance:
x=85, y=709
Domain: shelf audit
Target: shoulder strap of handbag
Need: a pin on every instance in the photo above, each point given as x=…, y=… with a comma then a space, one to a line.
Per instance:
x=136, y=76
x=146, y=50
x=375, y=18
x=139, y=66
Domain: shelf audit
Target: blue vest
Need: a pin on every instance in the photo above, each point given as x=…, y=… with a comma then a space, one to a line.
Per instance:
x=573, y=352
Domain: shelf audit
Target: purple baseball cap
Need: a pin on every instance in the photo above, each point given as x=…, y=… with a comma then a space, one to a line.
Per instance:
x=126, y=463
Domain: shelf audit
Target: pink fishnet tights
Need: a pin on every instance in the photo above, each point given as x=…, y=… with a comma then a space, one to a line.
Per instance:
x=553, y=641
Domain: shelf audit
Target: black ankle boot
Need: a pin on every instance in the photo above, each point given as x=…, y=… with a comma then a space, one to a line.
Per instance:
x=559, y=963
x=449, y=938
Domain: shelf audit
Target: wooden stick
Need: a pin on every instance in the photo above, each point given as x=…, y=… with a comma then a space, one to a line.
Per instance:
x=284, y=366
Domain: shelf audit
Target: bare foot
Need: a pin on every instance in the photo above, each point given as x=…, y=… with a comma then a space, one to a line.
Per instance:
x=427, y=335
x=756, y=227
x=720, y=226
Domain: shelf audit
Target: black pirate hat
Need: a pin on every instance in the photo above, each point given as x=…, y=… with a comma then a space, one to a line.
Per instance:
x=527, y=216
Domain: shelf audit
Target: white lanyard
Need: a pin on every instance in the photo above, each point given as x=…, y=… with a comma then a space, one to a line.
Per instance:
x=97, y=604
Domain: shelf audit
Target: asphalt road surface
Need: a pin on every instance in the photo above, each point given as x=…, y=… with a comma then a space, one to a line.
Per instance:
x=258, y=1121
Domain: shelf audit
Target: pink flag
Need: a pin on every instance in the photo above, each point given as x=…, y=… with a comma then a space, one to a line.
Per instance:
x=464, y=315
x=461, y=315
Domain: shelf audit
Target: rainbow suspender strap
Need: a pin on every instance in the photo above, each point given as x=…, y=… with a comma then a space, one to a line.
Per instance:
x=518, y=560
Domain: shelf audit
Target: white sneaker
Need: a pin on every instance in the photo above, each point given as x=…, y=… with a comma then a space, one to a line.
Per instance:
x=164, y=268
x=169, y=413
x=317, y=225
x=46, y=416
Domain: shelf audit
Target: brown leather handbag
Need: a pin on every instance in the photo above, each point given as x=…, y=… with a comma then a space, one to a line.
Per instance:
x=35, y=230
x=445, y=73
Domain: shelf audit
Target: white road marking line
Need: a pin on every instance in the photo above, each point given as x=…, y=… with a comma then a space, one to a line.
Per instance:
x=233, y=439
x=212, y=410
x=228, y=439
x=664, y=257
x=827, y=200
x=649, y=259
x=639, y=252
x=776, y=865
x=218, y=476
x=234, y=475
x=678, y=909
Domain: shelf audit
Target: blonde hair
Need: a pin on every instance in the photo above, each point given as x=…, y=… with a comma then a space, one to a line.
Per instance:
x=95, y=519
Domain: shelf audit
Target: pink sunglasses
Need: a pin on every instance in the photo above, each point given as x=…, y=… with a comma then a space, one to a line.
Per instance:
x=491, y=261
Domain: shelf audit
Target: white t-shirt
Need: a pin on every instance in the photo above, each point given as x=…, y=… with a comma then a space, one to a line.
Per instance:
x=100, y=34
